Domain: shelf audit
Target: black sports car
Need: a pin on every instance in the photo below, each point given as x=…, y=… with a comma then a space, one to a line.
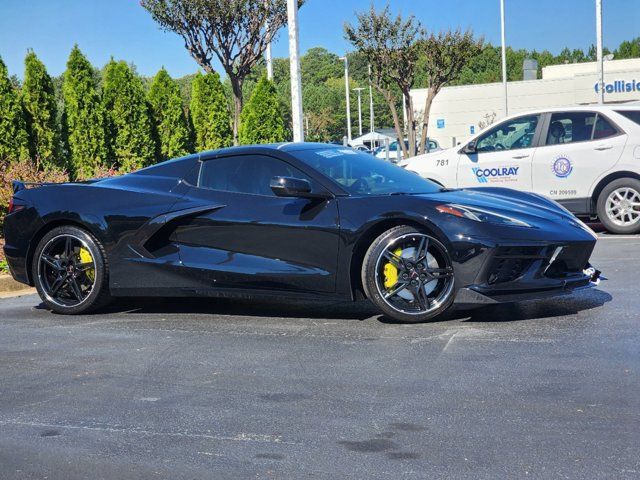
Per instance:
x=292, y=220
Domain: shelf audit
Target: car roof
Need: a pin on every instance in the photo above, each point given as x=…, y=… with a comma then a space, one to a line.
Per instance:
x=265, y=148
x=576, y=108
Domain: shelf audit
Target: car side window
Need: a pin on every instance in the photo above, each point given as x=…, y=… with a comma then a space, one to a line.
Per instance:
x=511, y=135
x=245, y=174
x=570, y=127
x=633, y=115
x=603, y=129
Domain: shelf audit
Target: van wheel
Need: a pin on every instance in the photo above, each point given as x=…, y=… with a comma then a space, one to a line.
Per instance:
x=619, y=206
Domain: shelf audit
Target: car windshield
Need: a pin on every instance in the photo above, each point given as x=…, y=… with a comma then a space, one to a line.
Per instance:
x=362, y=174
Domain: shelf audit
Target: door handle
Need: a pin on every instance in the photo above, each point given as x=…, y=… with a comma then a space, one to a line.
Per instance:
x=601, y=148
x=520, y=157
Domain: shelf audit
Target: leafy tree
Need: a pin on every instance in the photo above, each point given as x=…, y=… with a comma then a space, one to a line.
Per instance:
x=324, y=109
x=233, y=31
x=261, y=120
x=445, y=56
x=170, y=123
x=391, y=47
x=83, y=119
x=127, y=117
x=39, y=103
x=628, y=49
x=13, y=134
x=319, y=65
x=209, y=113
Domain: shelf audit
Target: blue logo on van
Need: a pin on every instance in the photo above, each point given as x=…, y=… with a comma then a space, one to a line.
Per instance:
x=562, y=167
x=501, y=174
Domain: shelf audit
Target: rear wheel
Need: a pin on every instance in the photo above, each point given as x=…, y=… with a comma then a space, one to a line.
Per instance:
x=619, y=206
x=70, y=271
x=408, y=274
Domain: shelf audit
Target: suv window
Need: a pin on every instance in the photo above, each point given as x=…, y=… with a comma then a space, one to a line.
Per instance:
x=603, y=129
x=633, y=115
x=517, y=133
x=569, y=127
x=245, y=174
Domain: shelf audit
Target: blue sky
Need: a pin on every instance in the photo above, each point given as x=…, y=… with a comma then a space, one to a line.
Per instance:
x=122, y=28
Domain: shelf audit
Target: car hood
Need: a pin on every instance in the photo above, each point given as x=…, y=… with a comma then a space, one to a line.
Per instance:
x=532, y=208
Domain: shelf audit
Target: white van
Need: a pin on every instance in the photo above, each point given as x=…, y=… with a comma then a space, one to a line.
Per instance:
x=586, y=158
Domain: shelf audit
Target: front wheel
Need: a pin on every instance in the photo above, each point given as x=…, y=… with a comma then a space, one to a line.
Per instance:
x=619, y=206
x=70, y=271
x=408, y=275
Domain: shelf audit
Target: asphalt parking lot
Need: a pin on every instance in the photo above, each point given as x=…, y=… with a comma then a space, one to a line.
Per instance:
x=228, y=389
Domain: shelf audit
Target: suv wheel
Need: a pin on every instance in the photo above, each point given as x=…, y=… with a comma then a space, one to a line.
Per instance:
x=619, y=206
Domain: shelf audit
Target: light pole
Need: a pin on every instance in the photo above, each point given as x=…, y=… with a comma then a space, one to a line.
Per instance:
x=359, y=90
x=346, y=86
x=268, y=57
x=504, y=59
x=294, y=66
x=371, y=105
x=269, y=60
x=600, y=60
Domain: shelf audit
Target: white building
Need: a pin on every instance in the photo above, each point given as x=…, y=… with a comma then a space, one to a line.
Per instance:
x=457, y=111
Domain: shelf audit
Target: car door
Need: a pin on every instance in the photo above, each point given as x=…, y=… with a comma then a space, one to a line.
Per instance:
x=252, y=239
x=577, y=148
x=502, y=156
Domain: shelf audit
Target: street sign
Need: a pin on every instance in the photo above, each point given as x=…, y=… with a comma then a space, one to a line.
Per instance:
x=440, y=123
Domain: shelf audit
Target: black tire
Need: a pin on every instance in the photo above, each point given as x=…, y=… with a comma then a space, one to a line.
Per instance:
x=373, y=290
x=84, y=287
x=607, y=216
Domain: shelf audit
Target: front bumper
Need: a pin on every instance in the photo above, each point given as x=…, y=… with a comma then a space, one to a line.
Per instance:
x=472, y=296
x=492, y=270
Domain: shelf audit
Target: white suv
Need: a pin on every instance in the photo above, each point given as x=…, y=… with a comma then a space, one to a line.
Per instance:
x=586, y=158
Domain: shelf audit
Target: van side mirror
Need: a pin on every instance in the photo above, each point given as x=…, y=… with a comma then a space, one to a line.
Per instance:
x=470, y=148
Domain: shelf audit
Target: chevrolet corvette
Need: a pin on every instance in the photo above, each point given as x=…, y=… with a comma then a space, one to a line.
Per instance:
x=292, y=221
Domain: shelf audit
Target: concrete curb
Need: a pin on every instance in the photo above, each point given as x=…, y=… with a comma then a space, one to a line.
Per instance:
x=8, y=284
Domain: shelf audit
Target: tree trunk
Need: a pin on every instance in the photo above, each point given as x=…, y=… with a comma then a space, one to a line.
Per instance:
x=431, y=94
x=236, y=87
x=388, y=96
x=411, y=123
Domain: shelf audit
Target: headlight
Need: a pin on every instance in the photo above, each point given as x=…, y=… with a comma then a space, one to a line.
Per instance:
x=480, y=215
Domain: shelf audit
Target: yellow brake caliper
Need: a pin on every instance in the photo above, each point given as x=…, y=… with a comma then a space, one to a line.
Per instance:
x=85, y=257
x=391, y=272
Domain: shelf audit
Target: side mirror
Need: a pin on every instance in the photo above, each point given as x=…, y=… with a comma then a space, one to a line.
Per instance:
x=293, y=187
x=470, y=148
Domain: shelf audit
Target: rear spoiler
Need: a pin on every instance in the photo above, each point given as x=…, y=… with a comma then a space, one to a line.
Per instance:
x=18, y=185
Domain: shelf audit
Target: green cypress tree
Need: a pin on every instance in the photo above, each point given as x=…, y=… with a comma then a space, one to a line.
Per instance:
x=13, y=134
x=83, y=116
x=39, y=101
x=168, y=116
x=127, y=120
x=210, y=113
x=261, y=120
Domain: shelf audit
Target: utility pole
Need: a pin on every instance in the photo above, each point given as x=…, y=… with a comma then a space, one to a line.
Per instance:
x=269, y=60
x=359, y=90
x=600, y=59
x=504, y=59
x=346, y=86
x=268, y=57
x=294, y=66
x=371, y=105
